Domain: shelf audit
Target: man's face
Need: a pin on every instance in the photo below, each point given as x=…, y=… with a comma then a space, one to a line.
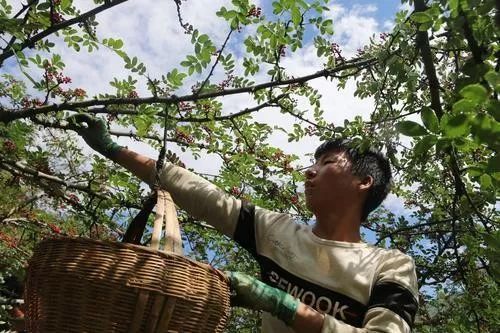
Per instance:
x=330, y=184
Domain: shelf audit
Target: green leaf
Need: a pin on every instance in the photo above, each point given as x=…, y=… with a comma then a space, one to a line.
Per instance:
x=453, y=4
x=464, y=106
x=493, y=240
x=455, y=125
x=485, y=130
x=493, y=108
x=493, y=164
x=327, y=26
x=475, y=171
x=65, y=4
x=296, y=16
x=421, y=17
x=203, y=39
x=430, y=119
x=442, y=144
x=410, y=128
x=43, y=6
x=118, y=44
x=475, y=92
x=425, y=144
x=485, y=181
x=493, y=79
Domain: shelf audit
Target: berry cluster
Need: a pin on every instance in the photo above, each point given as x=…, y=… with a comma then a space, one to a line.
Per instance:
x=183, y=137
x=31, y=103
x=78, y=92
x=133, y=94
x=311, y=130
x=282, y=50
x=280, y=158
x=55, y=229
x=69, y=94
x=9, y=146
x=337, y=52
x=224, y=84
x=56, y=18
x=8, y=240
x=185, y=107
x=362, y=51
x=255, y=12
x=54, y=76
x=235, y=191
x=383, y=36
x=206, y=108
x=73, y=199
x=294, y=199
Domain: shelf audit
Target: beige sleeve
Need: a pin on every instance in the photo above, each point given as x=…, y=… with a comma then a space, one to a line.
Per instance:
x=399, y=268
x=200, y=198
x=377, y=320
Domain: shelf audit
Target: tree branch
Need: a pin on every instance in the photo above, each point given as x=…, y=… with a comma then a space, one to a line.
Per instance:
x=216, y=61
x=422, y=41
x=7, y=116
x=31, y=41
x=20, y=169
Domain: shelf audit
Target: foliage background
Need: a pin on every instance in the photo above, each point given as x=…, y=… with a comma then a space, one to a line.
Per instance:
x=234, y=101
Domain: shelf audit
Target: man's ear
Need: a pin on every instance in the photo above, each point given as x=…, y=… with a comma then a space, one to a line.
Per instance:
x=366, y=183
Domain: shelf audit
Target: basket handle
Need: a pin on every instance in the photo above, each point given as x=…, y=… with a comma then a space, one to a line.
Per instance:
x=166, y=212
x=136, y=228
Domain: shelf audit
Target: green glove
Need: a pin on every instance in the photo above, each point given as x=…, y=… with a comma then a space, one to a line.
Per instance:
x=253, y=294
x=95, y=134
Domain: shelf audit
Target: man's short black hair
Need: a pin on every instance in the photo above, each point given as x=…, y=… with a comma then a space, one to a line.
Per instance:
x=368, y=162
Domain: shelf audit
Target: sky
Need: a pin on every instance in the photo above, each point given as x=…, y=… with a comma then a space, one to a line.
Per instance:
x=150, y=30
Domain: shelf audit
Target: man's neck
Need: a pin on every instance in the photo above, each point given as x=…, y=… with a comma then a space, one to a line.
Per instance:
x=339, y=228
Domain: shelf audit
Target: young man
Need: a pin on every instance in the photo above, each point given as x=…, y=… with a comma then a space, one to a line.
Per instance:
x=315, y=279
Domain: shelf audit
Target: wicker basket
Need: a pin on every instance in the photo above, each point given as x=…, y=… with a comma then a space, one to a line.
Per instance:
x=84, y=285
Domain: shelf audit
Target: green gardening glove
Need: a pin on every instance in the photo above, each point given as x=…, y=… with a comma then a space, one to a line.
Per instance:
x=253, y=294
x=95, y=134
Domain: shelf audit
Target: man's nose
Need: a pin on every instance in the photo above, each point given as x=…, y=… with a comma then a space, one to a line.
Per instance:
x=310, y=172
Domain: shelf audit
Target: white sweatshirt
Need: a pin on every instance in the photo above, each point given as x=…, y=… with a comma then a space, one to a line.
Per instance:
x=359, y=288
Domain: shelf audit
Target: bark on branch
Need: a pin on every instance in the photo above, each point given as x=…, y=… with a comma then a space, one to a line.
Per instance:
x=7, y=116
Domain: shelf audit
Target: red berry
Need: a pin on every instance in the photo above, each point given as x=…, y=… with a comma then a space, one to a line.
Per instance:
x=235, y=190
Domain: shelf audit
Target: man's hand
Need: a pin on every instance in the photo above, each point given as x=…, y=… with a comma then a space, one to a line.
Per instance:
x=95, y=134
x=253, y=294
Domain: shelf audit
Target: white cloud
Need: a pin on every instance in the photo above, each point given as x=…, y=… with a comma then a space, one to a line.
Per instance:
x=353, y=26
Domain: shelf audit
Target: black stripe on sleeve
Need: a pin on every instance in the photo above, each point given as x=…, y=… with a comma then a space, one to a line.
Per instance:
x=396, y=298
x=245, y=228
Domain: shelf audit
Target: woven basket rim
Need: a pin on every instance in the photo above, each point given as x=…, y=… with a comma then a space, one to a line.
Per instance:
x=137, y=248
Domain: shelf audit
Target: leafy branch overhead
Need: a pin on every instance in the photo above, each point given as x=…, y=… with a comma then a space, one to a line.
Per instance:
x=432, y=83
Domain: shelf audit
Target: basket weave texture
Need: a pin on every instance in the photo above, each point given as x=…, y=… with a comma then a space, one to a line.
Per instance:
x=83, y=285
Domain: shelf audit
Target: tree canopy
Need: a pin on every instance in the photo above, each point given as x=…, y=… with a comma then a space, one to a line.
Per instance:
x=432, y=82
